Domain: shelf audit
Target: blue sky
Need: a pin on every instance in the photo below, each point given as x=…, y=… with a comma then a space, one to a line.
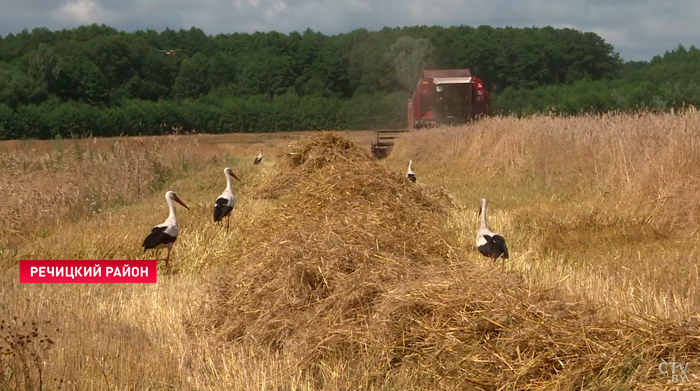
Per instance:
x=639, y=29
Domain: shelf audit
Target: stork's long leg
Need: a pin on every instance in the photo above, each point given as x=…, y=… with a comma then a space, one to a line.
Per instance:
x=167, y=258
x=227, y=218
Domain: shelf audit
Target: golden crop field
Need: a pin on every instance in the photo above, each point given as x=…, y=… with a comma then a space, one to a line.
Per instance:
x=339, y=273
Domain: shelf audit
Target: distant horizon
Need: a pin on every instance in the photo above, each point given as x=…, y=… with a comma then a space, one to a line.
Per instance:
x=326, y=33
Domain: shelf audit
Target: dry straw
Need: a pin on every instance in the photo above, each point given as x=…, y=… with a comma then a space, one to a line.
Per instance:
x=356, y=268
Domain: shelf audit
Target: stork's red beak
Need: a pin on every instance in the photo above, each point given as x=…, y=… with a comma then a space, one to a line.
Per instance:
x=179, y=201
x=234, y=175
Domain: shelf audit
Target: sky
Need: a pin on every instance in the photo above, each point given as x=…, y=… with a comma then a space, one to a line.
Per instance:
x=638, y=29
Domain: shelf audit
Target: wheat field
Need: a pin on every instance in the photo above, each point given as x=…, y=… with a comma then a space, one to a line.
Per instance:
x=338, y=273
x=605, y=205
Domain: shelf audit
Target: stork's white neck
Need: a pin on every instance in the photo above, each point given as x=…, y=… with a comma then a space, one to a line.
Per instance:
x=228, y=181
x=171, y=215
x=483, y=215
x=409, y=166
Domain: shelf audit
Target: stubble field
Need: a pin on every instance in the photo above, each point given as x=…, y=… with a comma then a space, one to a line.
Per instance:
x=338, y=273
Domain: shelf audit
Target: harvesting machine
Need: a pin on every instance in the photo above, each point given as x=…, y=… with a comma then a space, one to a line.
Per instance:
x=441, y=97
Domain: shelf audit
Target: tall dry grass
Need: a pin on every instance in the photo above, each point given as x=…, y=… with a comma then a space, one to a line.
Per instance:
x=607, y=206
x=45, y=184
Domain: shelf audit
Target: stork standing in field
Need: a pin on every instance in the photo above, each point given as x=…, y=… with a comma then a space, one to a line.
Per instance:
x=224, y=204
x=258, y=158
x=409, y=174
x=165, y=234
x=488, y=243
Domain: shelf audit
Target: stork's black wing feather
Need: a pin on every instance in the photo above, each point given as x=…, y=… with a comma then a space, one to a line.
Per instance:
x=156, y=237
x=495, y=245
x=221, y=210
x=500, y=244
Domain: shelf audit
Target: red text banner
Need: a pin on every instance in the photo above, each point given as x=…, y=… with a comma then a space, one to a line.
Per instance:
x=87, y=271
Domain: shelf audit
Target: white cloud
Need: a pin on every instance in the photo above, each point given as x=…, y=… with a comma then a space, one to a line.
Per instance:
x=81, y=11
x=274, y=10
x=360, y=6
x=619, y=36
x=638, y=29
x=77, y=12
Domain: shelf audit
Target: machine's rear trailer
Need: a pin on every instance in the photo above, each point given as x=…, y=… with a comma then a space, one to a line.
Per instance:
x=441, y=97
x=447, y=97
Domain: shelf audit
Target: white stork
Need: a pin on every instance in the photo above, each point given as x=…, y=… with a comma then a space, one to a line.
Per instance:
x=409, y=174
x=225, y=202
x=164, y=234
x=258, y=158
x=488, y=243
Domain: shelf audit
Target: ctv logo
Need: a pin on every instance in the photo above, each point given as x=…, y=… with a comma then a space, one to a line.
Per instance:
x=677, y=371
x=87, y=271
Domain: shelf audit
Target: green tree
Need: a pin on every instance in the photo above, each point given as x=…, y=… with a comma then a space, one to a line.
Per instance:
x=98, y=79
x=192, y=80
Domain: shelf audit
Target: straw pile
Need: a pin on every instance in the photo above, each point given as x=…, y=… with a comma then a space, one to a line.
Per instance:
x=356, y=269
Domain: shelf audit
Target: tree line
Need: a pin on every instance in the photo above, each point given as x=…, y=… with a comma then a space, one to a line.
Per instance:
x=96, y=80
x=671, y=81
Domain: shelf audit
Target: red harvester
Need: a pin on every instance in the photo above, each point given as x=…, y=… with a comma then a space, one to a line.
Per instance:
x=441, y=97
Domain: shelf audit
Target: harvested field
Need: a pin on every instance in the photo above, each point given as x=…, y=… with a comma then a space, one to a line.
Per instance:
x=339, y=273
x=355, y=266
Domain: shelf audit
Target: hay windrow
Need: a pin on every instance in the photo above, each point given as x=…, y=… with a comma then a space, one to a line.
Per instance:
x=355, y=265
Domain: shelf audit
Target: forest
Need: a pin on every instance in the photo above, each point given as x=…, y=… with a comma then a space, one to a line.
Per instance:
x=98, y=81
